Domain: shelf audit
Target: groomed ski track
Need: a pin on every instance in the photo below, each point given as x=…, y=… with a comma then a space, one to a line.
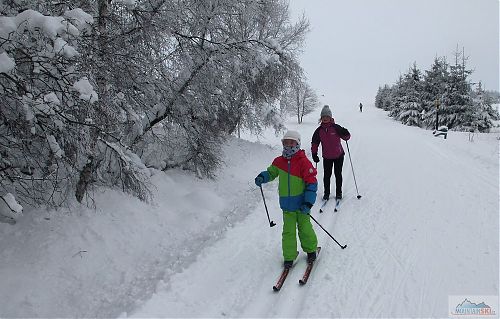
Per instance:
x=425, y=228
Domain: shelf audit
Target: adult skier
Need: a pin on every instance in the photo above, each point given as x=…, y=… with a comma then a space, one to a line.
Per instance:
x=297, y=190
x=328, y=134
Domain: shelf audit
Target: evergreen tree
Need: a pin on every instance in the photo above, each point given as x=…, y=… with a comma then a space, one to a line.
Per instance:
x=410, y=105
x=484, y=114
x=396, y=98
x=383, y=97
x=456, y=109
x=386, y=101
x=434, y=85
x=379, y=97
x=494, y=96
x=445, y=93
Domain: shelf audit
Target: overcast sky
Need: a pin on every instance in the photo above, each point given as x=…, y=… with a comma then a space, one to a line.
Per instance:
x=355, y=46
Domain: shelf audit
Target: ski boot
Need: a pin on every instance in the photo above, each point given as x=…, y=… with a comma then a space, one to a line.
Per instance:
x=311, y=257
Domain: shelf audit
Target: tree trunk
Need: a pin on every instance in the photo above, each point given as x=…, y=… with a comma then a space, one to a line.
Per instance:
x=84, y=181
x=86, y=172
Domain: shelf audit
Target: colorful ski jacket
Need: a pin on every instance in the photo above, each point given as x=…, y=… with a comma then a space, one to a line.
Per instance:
x=297, y=180
x=329, y=135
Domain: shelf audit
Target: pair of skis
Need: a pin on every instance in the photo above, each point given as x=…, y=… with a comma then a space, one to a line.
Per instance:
x=337, y=205
x=303, y=280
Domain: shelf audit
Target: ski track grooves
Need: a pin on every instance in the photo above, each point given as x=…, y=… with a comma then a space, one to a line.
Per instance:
x=398, y=236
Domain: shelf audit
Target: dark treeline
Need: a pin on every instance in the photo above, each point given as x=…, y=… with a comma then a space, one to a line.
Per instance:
x=444, y=88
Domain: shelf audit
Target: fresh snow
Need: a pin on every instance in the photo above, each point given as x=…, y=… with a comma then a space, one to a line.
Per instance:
x=80, y=19
x=63, y=48
x=54, y=146
x=86, y=90
x=425, y=228
x=51, y=98
x=12, y=204
x=6, y=63
x=33, y=20
x=129, y=3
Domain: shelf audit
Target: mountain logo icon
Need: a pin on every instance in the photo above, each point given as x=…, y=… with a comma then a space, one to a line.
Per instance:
x=468, y=307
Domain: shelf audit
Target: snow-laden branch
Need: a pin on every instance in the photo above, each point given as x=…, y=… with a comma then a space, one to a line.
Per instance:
x=270, y=44
x=11, y=210
x=133, y=172
x=86, y=90
x=6, y=63
x=161, y=112
x=50, y=26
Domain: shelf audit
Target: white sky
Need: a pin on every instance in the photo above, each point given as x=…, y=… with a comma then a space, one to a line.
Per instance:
x=355, y=46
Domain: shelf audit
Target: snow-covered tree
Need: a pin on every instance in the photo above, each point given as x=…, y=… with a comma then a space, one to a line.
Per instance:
x=410, y=106
x=300, y=99
x=239, y=58
x=484, y=113
x=383, y=97
x=397, y=97
x=434, y=86
x=443, y=97
x=42, y=119
x=493, y=95
x=109, y=88
x=455, y=109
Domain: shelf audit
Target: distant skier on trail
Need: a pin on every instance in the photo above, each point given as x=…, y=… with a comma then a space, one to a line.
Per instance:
x=328, y=134
x=297, y=190
x=360, y=107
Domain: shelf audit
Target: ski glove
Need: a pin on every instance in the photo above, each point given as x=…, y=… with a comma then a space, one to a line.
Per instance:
x=259, y=180
x=315, y=157
x=305, y=207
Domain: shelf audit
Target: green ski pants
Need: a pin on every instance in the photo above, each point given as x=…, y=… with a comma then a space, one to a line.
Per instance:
x=308, y=240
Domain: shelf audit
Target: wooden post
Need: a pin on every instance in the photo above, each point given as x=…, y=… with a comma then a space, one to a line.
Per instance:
x=436, y=102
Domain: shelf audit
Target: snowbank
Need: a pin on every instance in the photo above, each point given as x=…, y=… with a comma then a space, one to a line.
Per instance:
x=81, y=262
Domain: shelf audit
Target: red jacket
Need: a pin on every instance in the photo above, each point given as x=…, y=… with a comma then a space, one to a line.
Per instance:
x=297, y=180
x=329, y=135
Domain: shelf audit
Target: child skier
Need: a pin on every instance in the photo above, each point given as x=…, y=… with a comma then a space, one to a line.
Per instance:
x=328, y=134
x=297, y=190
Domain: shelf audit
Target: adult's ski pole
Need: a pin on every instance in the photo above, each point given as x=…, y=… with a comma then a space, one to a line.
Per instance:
x=352, y=167
x=271, y=223
x=343, y=247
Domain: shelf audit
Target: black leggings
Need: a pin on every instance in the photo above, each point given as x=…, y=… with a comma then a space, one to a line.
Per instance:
x=337, y=170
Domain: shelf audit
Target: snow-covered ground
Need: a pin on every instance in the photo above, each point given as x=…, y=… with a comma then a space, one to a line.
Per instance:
x=426, y=228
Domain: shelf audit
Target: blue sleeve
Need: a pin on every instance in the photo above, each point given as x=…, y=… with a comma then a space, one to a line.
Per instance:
x=266, y=176
x=310, y=193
